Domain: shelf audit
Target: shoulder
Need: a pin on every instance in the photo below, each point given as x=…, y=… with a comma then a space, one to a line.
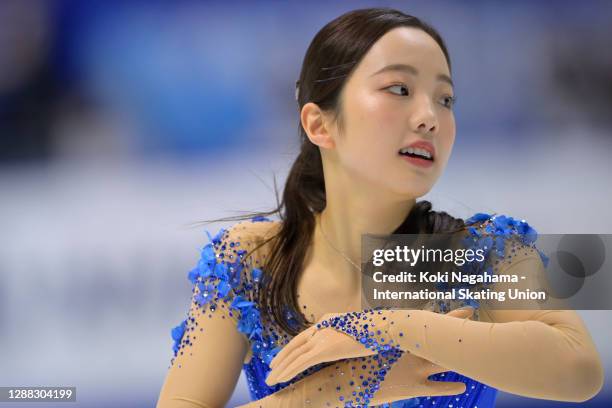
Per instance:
x=232, y=269
x=499, y=241
x=251, y=230
x=225, y=278
x=248, y=240
x=228, y=269
x=507, y=239
x=233, y=256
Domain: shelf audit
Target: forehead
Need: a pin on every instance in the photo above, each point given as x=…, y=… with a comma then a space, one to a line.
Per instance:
x=405, y=45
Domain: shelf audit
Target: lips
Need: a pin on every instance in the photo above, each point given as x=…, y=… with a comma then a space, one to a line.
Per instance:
x=419, y=149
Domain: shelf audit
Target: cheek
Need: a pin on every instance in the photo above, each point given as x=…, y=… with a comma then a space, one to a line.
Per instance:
x=374, y=112
x=449, y=141
x=370, y=125
x=446, y=137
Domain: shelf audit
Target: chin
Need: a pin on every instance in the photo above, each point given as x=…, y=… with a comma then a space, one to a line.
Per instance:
x=410, y=192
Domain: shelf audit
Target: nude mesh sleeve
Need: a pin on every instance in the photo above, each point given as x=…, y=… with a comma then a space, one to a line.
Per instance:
x=546, y=354
x=209, y=347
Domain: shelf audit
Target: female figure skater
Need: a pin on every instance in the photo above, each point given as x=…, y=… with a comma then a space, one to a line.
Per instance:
x=282, y=299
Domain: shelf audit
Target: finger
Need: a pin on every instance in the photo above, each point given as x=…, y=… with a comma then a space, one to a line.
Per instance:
x=399, y=392
x=294, y=343
x=462, y=312
x=287, y=360
x=300, y=364
x=390, y=393
x=432, y=368
x=273, y=376
x=445, y=387
x=420, y=365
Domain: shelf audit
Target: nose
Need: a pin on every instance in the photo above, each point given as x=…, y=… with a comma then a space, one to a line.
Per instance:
x=424, y=118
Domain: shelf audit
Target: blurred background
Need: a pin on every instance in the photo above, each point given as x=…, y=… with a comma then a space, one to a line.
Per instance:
x=122, y=122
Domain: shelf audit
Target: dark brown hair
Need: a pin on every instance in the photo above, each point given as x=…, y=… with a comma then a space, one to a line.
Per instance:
x=331, y=57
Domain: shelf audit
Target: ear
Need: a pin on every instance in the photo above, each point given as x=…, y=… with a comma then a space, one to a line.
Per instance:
x=317, y=123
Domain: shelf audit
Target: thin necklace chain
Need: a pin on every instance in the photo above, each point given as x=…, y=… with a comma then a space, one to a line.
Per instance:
x=336, y=249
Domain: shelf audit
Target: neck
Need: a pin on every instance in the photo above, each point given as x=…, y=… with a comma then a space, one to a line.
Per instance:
x=345, y=220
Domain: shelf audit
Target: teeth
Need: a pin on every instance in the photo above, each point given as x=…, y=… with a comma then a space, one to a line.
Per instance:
x=418, y=151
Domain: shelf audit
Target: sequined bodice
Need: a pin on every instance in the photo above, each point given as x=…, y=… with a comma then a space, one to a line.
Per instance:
x=222, y=282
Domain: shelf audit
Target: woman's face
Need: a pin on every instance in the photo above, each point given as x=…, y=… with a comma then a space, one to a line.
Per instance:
x=399, y=94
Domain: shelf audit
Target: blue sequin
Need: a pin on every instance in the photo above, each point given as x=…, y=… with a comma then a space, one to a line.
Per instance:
x=259, y=218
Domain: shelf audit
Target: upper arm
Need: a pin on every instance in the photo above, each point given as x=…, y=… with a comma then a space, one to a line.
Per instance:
x=521, y=258
x=530, y=266
x=209, y=347
x=529, y=269
x=207, y=366
x=564, y=326
x=524, y=263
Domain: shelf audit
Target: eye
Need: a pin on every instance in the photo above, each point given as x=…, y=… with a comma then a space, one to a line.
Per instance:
x=449, y=101
x=403, y=92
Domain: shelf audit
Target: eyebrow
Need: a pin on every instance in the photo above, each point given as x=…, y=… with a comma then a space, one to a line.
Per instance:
x=412, y=70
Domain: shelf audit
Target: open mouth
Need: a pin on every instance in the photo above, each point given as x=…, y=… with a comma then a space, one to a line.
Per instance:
x=416, y=153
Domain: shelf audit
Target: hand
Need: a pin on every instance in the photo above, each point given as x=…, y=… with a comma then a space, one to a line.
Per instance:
x=312, y=345
x=317, y=345
x=368, y=376
x=333, y=383
x=408, y=378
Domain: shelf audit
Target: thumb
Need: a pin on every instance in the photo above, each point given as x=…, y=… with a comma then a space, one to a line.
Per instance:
x=389, y=393
x=463, y=312
x=445, y=387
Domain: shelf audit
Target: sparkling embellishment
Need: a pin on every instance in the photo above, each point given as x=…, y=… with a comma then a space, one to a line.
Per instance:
x=226, y=283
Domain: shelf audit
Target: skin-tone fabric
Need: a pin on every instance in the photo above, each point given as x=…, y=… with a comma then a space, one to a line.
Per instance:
x=407, y=378
x=212, y=351
x=518, y=351
x=547, y=354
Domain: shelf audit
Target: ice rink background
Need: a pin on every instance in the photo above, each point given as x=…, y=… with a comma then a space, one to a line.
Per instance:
x=123, y=122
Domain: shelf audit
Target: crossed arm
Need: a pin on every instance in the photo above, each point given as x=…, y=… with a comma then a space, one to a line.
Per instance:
x=537, y=353
x=545, y=354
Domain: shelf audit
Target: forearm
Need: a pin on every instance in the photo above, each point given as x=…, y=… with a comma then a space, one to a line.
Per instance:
x=347, y=381
x=181, y=402
x=529, y=358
